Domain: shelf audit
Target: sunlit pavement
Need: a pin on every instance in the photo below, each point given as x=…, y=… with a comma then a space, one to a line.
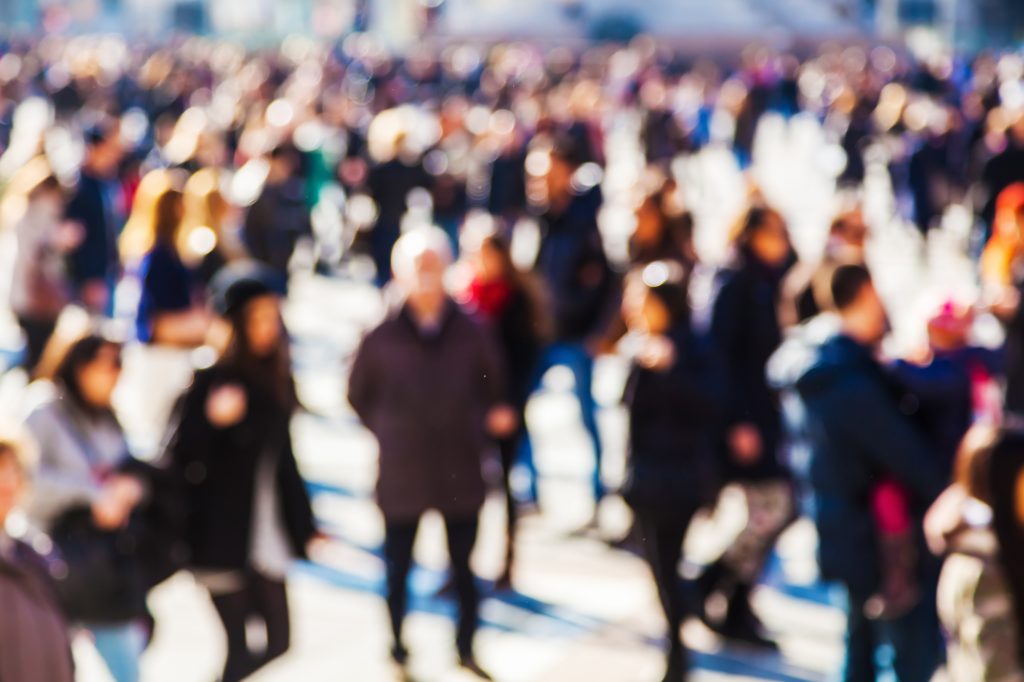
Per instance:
x=581, y=610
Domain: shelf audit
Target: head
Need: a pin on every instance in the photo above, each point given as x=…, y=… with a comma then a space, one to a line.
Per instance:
x=858, y=304
x=489, y=252
x=656, y=298
x=763, y=235
x=419, y=261
x=156, y=215
x=14, y=474
x=971, y=470
x=662, y=219
x=565, y=158
x=205, y=212
x=89, y=373
x=284, y=163
x=849, y=232
x=103, y=149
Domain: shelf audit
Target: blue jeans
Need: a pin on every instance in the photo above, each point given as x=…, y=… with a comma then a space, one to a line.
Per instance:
x=915, y=640
x=120, y=647
x=579, y=361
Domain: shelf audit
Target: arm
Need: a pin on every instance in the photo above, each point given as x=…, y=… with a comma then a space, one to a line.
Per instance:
x=884, y=436
x=55, y=490
x=361, y=382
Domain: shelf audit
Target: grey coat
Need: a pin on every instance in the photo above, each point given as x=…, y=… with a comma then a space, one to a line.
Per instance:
x=425, y=397
x=73, y=450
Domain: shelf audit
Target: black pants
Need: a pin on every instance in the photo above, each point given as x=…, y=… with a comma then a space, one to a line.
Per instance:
x=37, y=334
x=662, y=542
x=260, y=598
x=399, y=538
x=509, y=450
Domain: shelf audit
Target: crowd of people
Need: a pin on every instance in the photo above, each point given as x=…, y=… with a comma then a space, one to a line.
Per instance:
x=160, y=198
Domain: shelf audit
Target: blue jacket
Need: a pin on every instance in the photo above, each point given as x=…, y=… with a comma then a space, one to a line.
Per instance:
x=857, y=434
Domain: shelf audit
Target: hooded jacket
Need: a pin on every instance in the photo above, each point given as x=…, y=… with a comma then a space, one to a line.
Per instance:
x=856, y=434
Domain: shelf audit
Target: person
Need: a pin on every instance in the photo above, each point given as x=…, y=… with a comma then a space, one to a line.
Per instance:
x=83, y=473
x=805, y=290
x=674, y=395
x=208, y=239
x=167, y=313
x=664, y=228
x=245, y=513
x=33, y=632
x=428, y=384
x=572, y=264
x=857, y=434
x=978, y=601
x=93, y=264
x=508, y=300
x=33, y=206
x=745, y=326
x=280, y=216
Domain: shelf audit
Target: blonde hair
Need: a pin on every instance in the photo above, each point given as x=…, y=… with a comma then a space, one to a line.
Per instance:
x=158, y=191
x=205, y=206
x=24, y=183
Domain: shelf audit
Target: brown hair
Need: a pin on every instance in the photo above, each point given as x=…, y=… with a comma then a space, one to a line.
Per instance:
x=971, y=470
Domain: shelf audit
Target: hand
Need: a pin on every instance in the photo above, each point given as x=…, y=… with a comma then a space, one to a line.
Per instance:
x=502, y=421
x=95, y=295
x=657, y=353
x=317, y=545
x=226, y=405
x=745, y=443
x=69, y=235
x=128, y=490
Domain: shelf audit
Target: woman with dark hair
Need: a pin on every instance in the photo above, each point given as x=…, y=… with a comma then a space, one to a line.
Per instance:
x=664, y=228
x=247, y=514
x=675, y=394
x=511, y=302
x=81, y=479
x=978, y=524
x=746, y=330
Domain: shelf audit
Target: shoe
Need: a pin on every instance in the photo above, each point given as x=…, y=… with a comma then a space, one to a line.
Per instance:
x=400, y=655
x=469, y=663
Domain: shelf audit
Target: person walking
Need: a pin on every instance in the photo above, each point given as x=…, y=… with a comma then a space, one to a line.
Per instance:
x=428, y=384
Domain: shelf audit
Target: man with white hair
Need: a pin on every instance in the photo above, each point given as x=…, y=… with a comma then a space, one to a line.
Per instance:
x=427, y=382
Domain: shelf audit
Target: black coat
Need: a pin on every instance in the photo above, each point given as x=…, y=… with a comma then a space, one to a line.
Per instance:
x=95, y=258
x=745, y=328
x=216, y=473
x=858, y=434
x=673, y=417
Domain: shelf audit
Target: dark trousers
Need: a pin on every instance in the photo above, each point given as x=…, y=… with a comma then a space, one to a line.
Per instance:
x=915, y=639
x=662, y=543
x=399, y=538
x=37, y=334
x=508, y=448
x=260, y=598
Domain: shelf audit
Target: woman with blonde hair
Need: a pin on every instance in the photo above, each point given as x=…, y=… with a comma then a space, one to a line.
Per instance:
x=205, y=240
x=167, y=313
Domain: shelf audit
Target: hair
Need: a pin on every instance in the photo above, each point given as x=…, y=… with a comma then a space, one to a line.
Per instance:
x=1003, y=456
x=848, y=281
x=676, y=225
x=569, y=149
x=155, y=216
x=750, y=223
x=272, y=373
x=668, y=281
x=17, y=450
x=25, y=184
x=79, y=354
x=414, y=244
x=527, y=284
x=204, y=206
x=973, y=462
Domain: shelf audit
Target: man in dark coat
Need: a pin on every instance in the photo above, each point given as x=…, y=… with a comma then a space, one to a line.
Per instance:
x=93, y=265
x=280, y=216
x=572, y=265
x=427, y=382
x=857, y=434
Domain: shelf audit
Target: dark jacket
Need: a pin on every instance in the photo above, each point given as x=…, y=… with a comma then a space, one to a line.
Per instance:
x=425, y=398
x=95, y=258
x=673, y=417
x=34, y=642
x=858, y=434
x=746, y=330
x=572, y=263
x=275, y=223
x=216, y=469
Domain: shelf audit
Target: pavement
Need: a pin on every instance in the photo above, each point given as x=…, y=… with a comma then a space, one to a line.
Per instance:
x=581, y=610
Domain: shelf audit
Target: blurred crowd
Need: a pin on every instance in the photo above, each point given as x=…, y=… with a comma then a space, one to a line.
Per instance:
x=157, y=200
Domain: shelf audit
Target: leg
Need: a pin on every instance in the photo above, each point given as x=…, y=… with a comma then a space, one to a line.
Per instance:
x=461, y=539
x=916, y=642
x=234, y=610
x=861, y=643
x=662, y=543
x=508, y=448
x=769, y=511
x=581, y=363
x=525, y=449
x=271, y=599
x=120, y=647
x=399, y=539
